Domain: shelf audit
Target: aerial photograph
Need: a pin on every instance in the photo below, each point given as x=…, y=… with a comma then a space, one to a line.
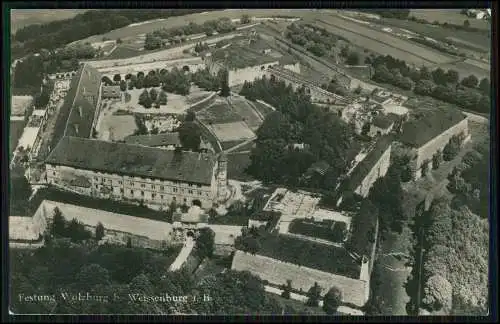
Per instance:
x=318, y=162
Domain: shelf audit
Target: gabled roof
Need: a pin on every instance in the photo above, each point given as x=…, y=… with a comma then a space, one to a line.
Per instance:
x=134, y=160
x=164, y=139
x=418, y=132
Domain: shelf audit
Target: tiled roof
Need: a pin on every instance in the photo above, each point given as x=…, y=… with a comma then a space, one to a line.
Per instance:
x=382, y=121
x=134, y=160
x=363, y=168
x=164, y=139
x=418, y=132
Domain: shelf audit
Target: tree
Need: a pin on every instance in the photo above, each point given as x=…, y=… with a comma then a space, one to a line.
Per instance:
x=470, y=82
x=145, y=99
x=438, y=293
x=424, y=168
x=287, y=289
x=117, y=77
x=58, y=223
x=99, y=231
x=439, y=76
x=153, y=94
x=205, y=242
x=484, y=86
x=451, y=149
x=365, y=129
x=436, y=160
x=224, y=82
x=332, y=300
x=353, y=58
x=162, y=98
x=314, y=295
x=123, y=85
x=424, y=87
x=425, y=74
x=129, y=242
x=245, y=19
x=466, y=23
x=190, y=116
x=76, y=231
x=94, y=132
x=106, y=80
x=452, y=76
x=190, y=136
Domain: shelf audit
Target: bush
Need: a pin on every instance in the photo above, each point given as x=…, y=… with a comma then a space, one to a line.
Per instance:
x=451, y=149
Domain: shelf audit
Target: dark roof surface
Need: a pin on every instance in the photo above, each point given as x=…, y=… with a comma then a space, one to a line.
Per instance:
x=418, y=132
x=363, y=168
x=164, y=139
x=86, y=97
x=135, y=160
x=382, y=121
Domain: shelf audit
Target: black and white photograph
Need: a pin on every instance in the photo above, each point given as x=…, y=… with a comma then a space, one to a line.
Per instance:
x=270, y=162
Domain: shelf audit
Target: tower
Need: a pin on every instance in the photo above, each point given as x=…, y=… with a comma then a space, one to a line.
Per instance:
x=221, y=177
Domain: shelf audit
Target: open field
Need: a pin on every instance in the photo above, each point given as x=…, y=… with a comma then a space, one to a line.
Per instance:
x=20, y=18
x=122, y=52
x=232, y=131
x=198, y=18
x=465, y=69
x=450, y=16
x=382, y=43
x=219, y=112
x=481, y=40
x=247, y=112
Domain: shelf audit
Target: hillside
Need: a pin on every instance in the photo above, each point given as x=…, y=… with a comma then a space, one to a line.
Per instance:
x=20, y=18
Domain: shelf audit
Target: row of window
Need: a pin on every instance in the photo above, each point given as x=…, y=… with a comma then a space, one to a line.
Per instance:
x=142, y=185
x=191, y=192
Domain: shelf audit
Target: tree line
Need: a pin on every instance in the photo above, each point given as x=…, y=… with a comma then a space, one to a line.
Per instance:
x=469, y=93
x=55, y=34
x=156, y=39
x=315, y=39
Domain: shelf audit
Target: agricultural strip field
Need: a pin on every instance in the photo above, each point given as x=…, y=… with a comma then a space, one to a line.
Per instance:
x=479, y=39
x=450, y=16
x=383, y=43
x=232, y=131
x=465, y=69
x=198, y=18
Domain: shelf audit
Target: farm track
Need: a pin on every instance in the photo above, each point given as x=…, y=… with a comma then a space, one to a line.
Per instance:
x=402, y=49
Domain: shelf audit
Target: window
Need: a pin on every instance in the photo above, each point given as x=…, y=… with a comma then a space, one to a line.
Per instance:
x=153, y=187
x=131, y=192
x=121, y=190
x=143, y=185
x=54, y=173
x=199, y=193
x=174, y=189
x=153, y=196
x=142, y=193
x=162, y=197
x=120, y=182
x=198, y=185
x=162, y=188
x=190, y=192
x=97, y=186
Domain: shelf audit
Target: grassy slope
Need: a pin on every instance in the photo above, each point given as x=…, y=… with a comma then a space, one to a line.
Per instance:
x=23, y=17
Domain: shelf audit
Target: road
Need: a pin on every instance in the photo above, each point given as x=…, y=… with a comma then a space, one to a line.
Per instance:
x=183, y=255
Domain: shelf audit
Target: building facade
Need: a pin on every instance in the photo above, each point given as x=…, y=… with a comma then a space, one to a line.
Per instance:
x=179, y=177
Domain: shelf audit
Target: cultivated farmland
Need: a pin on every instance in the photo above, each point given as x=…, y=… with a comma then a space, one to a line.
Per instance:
x=450, y=16
x=382, y=43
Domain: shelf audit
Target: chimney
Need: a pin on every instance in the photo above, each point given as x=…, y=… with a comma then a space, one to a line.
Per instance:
x=76, y=128
x=80, y=111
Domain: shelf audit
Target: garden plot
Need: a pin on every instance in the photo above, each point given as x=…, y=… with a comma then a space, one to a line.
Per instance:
x=232, y=131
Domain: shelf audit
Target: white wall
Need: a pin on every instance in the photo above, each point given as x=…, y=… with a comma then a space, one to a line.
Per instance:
x=251, y=73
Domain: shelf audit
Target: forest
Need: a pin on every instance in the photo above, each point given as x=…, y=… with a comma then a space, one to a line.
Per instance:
x=56, y=34
x=297, y=120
